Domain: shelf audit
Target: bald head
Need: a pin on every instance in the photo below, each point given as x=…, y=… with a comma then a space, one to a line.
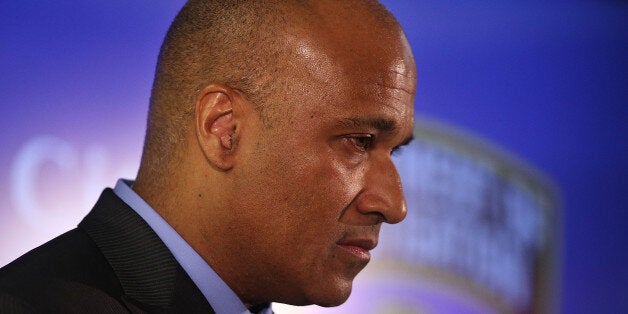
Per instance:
x=270, y=135
x=249, y=46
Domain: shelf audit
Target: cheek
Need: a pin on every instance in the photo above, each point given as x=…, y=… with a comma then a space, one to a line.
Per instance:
x=299, y=197
x=305, y=193
x=313, y=201
x=301, y=189
x=322, y=184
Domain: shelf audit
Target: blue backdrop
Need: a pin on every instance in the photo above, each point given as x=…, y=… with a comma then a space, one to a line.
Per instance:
x=546, y=80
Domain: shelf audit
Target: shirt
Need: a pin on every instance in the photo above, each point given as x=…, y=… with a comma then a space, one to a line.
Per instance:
x=221, y=298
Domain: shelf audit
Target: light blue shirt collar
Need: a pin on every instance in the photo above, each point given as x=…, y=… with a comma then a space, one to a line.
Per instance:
x=222, y=299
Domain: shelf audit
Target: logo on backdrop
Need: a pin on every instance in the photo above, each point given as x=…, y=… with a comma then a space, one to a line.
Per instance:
x=50, y=176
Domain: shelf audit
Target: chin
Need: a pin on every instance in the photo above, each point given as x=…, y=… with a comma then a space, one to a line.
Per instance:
x=331, y=296
x=333, y=303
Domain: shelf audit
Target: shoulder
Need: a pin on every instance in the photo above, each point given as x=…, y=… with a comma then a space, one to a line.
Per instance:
x=113, y=262
x=67, y=267
x=11, y=304
x=72, y=255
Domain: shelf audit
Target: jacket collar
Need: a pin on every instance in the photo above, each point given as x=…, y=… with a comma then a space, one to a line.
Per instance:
x=148, y=273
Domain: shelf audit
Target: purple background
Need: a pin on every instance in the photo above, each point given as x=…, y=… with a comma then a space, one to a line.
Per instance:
x=546, y=80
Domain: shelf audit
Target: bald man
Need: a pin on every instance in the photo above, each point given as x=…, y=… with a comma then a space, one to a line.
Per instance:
x=266, y=172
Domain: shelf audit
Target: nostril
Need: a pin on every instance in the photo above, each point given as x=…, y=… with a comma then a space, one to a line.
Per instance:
x=381, y=218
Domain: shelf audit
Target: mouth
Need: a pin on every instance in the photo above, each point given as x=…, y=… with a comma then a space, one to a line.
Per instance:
x=357, y=249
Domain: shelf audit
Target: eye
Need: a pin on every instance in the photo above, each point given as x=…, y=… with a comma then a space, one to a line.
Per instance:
x=361, y=142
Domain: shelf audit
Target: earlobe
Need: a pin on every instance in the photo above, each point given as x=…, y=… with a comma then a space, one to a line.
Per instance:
x=215, y=126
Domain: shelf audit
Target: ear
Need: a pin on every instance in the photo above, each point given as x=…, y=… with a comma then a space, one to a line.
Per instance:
x=216, y=128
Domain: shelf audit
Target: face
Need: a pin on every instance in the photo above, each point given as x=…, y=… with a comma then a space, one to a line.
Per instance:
x=315, y=188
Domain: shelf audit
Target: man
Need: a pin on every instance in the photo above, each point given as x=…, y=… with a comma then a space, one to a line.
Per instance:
x=266, y=171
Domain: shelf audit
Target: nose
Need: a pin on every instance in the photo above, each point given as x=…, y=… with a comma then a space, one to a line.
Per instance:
x=382, y=194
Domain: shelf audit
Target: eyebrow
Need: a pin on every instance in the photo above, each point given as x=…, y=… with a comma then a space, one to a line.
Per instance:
x=380, y=124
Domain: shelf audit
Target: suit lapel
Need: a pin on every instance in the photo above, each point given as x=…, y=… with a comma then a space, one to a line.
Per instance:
x=151, y=278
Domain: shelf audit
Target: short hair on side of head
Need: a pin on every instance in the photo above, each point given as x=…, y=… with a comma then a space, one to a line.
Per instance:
x=230, y=42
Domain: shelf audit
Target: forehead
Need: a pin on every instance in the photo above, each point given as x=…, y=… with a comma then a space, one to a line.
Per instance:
x=348, y=80
x=347, y=63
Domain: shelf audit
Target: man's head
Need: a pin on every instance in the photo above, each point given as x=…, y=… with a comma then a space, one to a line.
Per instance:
x=269, y=140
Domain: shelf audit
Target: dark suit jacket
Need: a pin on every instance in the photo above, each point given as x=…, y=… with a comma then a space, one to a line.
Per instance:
x=112, y=262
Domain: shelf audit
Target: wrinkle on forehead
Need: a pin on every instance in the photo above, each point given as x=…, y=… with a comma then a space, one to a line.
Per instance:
x=393, y=88
x=394, y=92
x=401, y=76
x=400, y=67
